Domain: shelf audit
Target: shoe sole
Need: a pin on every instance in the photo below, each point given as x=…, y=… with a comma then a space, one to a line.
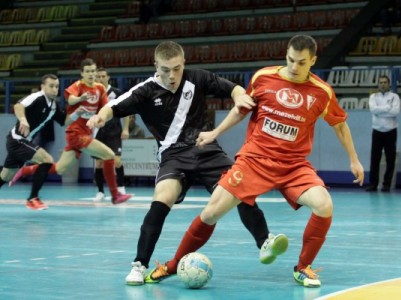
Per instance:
x=279, y=247
x=307, y=285
x=134, y=283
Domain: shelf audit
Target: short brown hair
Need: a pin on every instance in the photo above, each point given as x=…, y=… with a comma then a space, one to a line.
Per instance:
x=168, y=50
x=87, y=62
x=301, y=42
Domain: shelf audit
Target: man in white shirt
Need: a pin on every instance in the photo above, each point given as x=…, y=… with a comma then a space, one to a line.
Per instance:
x=384, y=106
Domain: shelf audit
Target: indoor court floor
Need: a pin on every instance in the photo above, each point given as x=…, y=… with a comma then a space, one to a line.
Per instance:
x=80, y=250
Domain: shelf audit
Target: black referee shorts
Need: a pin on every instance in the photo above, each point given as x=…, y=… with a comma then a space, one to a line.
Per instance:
x=191, y=164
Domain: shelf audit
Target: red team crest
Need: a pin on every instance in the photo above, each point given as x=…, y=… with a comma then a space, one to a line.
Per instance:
x=289, y=98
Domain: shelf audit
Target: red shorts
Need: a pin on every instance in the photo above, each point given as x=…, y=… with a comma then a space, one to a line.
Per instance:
x=77, y=141
x=251, y=177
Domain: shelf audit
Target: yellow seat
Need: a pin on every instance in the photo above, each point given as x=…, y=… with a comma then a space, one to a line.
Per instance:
x=46, y=14
x=41, y=36
x=10, y=62
x=16, y=38
x=385, y=45
x=29, y=37
x=70, y=11
x=6, y=16
x=59, y=13
x=365, y=44
x=4, y=38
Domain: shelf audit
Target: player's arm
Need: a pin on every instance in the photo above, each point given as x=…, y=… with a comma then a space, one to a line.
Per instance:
x=98, y=120
x=19, y=111
x=72, y=99
x=125, y=132
x=242, y=99
x=344, y=136
x=232, y=119
x=75, y=115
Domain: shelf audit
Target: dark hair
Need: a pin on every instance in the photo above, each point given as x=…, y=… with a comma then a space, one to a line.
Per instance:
x=51, y=76
x=301, y=42
x=87, y=62
x=101, y=69
x=385, y=77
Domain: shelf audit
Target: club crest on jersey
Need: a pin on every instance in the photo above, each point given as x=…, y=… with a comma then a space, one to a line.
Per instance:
x=158, y=102
x=92, y=99
x=289, y=98
x=187, y=95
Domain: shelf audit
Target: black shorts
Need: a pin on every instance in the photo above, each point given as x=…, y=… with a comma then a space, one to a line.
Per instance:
x=191, y=164
x=19, y=152
x=114, y=143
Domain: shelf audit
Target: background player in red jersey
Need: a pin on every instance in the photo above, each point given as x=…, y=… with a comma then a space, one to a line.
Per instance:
x=290, y=100
x=111, y=135
x=85, y=97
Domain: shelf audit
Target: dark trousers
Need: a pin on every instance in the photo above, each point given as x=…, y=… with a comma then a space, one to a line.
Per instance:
x=388, y=142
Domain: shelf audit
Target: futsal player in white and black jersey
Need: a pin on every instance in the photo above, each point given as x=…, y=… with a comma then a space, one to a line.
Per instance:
x=172, y=105
x=33, y=113
x=111, y=135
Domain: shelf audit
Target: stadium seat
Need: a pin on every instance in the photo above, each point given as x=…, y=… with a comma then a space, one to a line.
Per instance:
x=153, y=31
x=29, y=37
x=363, y=103
x=365, y=45
x=124, y=58
x=201, y=27
x=337, y=75
x=142, y=56
x=184, y=28
x=385, y=45
x=5, y=38
x=123, y=32
x=6, y=16
x=168, y=29
x=356, y=75
x=10, y=62
x=138, y=31
x=16, y=38
x=191, y=54
x=375, y=72
x=349, y=103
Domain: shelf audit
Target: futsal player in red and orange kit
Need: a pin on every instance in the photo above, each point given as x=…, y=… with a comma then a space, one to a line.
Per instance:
x=289, y=101
x=85, y=98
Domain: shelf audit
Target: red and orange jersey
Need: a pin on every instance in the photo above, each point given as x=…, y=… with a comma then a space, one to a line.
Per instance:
x=97, y=100
x=282, y=124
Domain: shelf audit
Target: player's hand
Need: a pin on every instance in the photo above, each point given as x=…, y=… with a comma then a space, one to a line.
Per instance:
x=243, y=101
x=205, y=138
x=85, y=96
x=95, y=122
x=357, y=170
x=24, y=127
x=124, y=134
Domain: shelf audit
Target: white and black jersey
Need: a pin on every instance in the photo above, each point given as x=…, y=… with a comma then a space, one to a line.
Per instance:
x=38, y=111
x=113, y=128
x=174, y=119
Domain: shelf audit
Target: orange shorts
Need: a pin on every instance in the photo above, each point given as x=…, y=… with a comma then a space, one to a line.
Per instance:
x=77, y=141
x=251, y=177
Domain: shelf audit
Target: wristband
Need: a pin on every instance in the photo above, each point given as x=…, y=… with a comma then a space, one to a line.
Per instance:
x=74, y=116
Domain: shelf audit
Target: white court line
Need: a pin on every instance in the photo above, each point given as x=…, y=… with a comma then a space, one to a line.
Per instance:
x=355, y=288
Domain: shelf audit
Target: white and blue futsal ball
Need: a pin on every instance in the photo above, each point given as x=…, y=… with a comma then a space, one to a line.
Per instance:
x=195, y=270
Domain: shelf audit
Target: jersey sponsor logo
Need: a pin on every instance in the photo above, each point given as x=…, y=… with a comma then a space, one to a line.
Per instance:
x=93, y=98
x=158, y=102
x=187, y=95
x=283, y=114
x=280, y=130
x=236, y=178
x=289, y=98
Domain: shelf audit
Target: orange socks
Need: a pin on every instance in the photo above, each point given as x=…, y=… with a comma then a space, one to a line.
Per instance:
x=195, y=237
x=314, y=237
